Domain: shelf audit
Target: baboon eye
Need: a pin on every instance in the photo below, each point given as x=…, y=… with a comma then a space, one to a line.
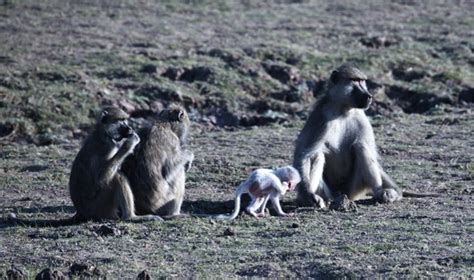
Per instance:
x=104, y=115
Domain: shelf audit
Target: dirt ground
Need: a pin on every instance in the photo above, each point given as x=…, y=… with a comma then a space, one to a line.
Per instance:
x=247, y=72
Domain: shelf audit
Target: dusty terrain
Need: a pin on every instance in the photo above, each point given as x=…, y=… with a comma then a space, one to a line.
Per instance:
x=248, y=72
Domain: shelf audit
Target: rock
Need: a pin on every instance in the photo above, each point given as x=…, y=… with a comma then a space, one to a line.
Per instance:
x=343, y=203
x=268, y=270
x=415, y=102
x=297, y=93
x=144, y=275
x=15, y=273
x=149, y=69
x=316, y=87
x=173, y=73
x=379, y=41
x=154, y=92
x=283, y=73
x=408, y=73
x=34, y=168
x=47, y=274
x=199, y=73
x=467, y=95
x=107, y=230
x=229, y=232
x=232, y=58
x=126, y=105
x=85, y=270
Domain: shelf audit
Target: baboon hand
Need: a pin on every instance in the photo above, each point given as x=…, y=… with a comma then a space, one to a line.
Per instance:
x=132, y=141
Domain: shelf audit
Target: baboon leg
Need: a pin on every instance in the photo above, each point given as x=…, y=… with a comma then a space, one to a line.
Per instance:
x=261, y=210
x=312, y=181
x=124, y=197
x=255, y=204
x=276, y=205
x=368, y=173
x=365, y=173
x=125, y=201
x=171, y=208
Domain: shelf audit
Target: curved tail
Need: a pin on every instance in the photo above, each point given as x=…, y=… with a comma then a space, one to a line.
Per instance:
x=414, y=194
x=234, y=214
x=388, y=183
x=76, y=219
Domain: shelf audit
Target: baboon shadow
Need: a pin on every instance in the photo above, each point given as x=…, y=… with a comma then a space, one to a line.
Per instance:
x=201, y=207
x=68, y=211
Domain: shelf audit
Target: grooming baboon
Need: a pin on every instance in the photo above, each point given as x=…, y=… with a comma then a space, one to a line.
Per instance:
x=335, y=152
x=157, y=169
x=97, y=187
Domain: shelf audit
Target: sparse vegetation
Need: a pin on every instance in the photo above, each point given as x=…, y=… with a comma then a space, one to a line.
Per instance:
x=248, y=73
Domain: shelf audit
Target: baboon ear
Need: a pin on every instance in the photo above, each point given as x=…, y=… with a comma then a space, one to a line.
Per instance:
x=103, y=116
x=180, y=115
x=334, y=77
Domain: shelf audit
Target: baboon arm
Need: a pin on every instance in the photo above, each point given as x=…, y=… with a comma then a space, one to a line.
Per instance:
x=111, y=166
x=312, y=172
x=276, y=204
x=173, y=168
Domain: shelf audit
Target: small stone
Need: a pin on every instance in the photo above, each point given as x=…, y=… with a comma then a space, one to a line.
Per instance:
x=107, y=230
x=149, y=69
x=229, y=232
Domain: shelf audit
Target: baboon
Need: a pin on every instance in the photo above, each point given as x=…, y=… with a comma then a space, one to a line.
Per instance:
x=157, y=169
x=262, y=185
x=97, y=187
x=335, y=152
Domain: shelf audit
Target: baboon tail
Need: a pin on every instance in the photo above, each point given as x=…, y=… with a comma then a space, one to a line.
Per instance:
x=234, y=214
x=76, y=219
x=414, y=194
x=387, y=183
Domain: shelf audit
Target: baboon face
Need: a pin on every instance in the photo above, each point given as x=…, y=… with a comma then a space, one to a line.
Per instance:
x=290, y=175
x=348, y=86
x=115, y=125
x=174, y=113
x=360, y=95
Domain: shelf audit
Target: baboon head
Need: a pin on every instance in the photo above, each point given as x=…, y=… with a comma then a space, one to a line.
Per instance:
x=290, y=175
x=177, y=116
x=347, y=87
x=113, y=122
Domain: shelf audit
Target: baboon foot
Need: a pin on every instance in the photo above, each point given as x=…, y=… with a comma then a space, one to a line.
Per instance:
x=389, y=196
x=311, y=200
x=146, y=218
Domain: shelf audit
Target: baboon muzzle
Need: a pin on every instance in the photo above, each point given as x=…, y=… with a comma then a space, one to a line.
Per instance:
x=362, y=98
x=125, y=131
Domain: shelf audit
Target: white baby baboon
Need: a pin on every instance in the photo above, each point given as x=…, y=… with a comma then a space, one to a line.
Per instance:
x=263, y=185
